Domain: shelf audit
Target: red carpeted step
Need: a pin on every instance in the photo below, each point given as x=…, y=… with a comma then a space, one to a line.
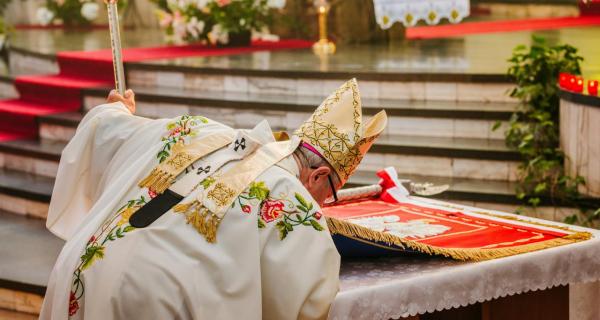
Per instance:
x=98, y=64
x=466, y=28
x=19, y=117
x=40, y=95
x=57, y=90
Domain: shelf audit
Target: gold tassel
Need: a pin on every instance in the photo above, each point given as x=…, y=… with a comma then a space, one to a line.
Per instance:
x=351, y=230
x=158, y=181
x=204, y=221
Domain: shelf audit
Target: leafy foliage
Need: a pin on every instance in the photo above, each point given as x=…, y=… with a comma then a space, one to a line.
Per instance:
x=534, y=128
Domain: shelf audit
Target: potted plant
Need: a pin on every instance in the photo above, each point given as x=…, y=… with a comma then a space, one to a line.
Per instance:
x=218, y=22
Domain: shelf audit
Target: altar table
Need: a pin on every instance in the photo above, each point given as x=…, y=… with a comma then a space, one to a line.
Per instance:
x=409, y=286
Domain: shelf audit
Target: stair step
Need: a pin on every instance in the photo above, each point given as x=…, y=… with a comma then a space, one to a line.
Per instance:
x=26, y=267
x=306, y=103
x=490, y=149
x=24, y=185
x=34, y=156
x=19, y=115
x=59, y=126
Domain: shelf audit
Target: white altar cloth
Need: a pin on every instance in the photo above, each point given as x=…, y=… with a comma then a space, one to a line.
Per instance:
x=409, y=12
x=393, y=287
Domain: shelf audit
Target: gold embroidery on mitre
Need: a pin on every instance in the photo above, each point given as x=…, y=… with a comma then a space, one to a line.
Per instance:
x=338, y=133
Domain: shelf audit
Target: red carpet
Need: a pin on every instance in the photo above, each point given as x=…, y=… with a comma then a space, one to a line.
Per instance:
x=454, y=30
x=40, y=95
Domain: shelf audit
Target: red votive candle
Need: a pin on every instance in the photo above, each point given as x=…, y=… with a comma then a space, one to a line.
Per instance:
x=572, y=81
x=563, y=80
x=578, y=85
x=593, y=87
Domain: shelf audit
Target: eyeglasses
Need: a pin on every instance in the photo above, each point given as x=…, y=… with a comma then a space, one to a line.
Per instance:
x=333, y=199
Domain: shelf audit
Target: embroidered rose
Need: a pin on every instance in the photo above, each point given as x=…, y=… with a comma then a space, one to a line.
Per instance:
x=246, y=208
x=175, y=131
x=318, y=215
x=73, y=304
x=271, y=209
x=151, y=194
x=92, y=239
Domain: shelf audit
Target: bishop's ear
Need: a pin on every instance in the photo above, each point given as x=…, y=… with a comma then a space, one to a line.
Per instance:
x=319, y=175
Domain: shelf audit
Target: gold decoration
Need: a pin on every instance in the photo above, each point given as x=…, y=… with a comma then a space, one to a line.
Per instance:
x=221, y=194
x=337, y=131
x=204, y=221
x=454, y=14
x=179, y=160
x=348, y=229
x=164, y=174
x=431, y=16
x=323, y=46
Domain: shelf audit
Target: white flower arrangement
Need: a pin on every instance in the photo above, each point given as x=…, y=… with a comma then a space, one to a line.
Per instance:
x=214, y=21
x=44, y=16
x=70, y=12
x=89, y=11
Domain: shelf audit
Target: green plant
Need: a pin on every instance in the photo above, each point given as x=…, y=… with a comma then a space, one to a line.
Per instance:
x=534, y=128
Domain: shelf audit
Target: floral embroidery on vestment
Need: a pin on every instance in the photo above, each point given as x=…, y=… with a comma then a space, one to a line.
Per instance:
x=287, y=213
x=180, y=129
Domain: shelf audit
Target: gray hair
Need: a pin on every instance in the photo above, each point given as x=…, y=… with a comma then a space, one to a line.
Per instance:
x=309, y=159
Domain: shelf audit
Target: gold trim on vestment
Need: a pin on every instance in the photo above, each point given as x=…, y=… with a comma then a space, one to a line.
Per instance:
x=164, y=174
x=209, y=208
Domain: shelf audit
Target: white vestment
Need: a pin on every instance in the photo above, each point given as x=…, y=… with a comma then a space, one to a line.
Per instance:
x=273, y=258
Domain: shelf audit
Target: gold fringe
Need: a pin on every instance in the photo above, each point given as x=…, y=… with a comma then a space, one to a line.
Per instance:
x=514, y=218
x=158, y=181
x=204, y=221
x=348, y=229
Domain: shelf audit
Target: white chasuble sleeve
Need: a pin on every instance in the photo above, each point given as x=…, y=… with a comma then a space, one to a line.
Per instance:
x=98, y=137
x=299, y=262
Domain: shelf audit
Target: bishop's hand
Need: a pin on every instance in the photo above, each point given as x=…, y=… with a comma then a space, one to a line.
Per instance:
x=128, y=99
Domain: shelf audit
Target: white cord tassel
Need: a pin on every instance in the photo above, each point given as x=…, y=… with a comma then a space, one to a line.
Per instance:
x=359, y=192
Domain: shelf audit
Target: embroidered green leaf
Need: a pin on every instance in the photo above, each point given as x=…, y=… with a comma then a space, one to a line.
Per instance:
x=299, y=218
x=302, y=208
x=288, y=226
x=282, y=230
x=207, y=182
x=92, y=253
x=261, y=223
x=128, y=228
x=258, y=190
x=316, y=225
x=302, y=201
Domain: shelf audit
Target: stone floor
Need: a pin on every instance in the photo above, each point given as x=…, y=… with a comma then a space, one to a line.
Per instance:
x=473, y=54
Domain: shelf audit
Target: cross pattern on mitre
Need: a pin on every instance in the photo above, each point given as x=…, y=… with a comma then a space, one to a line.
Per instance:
x=338, y=133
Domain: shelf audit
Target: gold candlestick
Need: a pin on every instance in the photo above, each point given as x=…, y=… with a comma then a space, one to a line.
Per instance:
x=323, y=46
